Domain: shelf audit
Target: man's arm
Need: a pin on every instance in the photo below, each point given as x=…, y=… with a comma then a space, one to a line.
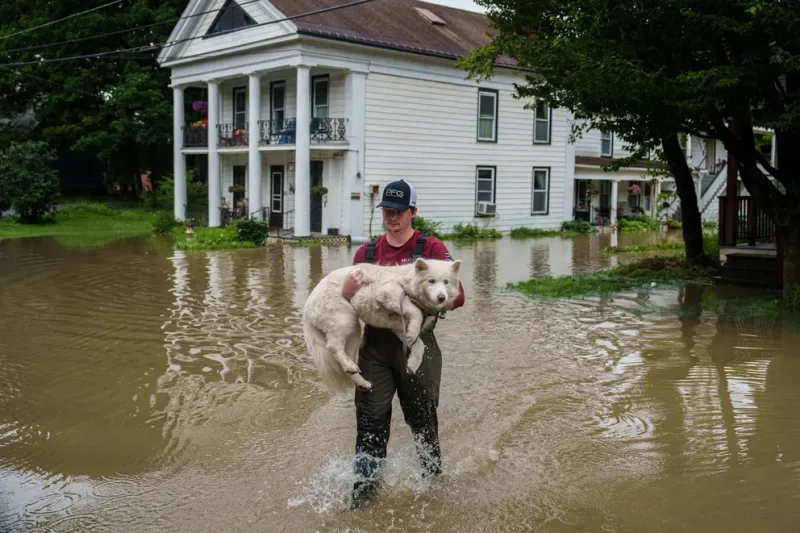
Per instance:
x=437, y=250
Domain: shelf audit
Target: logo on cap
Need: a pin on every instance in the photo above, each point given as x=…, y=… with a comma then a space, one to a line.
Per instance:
x=394, y=192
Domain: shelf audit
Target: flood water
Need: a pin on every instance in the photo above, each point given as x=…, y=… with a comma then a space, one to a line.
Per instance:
x=144, y=389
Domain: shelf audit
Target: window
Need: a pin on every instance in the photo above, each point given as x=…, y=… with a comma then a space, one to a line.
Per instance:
x=231, y=17
x=541, y=123
x=319, y=97
x=485, y=186
x=605, y=194
x=278, y=102
x=487, y=115
x=239, y=108
x=606, y=144
x=540, y=195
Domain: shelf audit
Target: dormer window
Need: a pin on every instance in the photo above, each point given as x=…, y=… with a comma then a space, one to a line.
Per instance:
x=231, y=17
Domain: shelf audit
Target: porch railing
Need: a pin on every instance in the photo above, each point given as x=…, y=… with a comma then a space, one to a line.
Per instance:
x=276, y=131
x=751, y=223
x=328, y=130
x=287, y=227
x=195, y=136
x=230, y=135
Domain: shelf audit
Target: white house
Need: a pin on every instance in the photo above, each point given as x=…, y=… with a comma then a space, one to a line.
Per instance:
x=603, y=197
x=351, y=98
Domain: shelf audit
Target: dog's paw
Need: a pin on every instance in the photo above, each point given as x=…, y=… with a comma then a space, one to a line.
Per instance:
x=350, y=367
x=415, y=359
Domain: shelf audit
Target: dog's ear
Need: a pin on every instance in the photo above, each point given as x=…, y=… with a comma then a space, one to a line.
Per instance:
x=421, y=265
x=455, y=266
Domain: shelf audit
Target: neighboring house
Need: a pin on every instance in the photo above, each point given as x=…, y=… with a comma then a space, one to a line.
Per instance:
x=603, y=197
x=352, y=99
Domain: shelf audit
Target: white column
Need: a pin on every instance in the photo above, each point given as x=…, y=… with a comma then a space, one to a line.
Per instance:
x=774, y=153
x=214, y=189
x=614, y=196
x=689, y=148
x=355, y=111
x=253, y=134
x=302, y=174
x=179, y=160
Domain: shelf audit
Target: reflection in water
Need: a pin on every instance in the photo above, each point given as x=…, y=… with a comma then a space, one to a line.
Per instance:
x=146, y=389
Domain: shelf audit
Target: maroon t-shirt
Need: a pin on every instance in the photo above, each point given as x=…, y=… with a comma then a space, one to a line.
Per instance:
x=388, y=255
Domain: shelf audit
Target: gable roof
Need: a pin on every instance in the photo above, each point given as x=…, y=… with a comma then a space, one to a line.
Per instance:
x=394, y=24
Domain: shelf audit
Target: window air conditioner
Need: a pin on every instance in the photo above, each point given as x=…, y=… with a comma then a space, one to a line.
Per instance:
x=485, y=208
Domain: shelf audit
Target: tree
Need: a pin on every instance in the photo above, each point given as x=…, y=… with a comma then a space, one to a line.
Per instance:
x=651, y=69
x=28, y=178
x=119, y=106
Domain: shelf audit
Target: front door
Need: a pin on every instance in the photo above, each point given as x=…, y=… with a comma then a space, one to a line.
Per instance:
x=316, y=199
x=239, y=178
x=276, y=197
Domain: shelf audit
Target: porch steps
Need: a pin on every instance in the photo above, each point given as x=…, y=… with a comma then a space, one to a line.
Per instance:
x=750, y=270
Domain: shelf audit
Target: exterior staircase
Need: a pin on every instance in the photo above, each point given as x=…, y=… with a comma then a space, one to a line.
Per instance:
x=754, y=270
x=712, y=188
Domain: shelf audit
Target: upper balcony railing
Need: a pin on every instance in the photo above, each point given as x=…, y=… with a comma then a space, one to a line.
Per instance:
x=270, y=132
x=195, y=136
x=231, y=136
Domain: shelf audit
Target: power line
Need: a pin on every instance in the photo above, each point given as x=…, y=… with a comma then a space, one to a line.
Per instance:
x=109, y=34
x=115, y=2
x=148, y=48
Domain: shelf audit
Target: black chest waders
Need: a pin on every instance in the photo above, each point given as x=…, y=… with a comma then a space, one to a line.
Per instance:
x=383, y=363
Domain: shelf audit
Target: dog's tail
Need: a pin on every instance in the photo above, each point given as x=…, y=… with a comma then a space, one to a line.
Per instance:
x=336, y=379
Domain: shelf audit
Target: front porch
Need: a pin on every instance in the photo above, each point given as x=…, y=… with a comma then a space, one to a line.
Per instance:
x=604, y=201
x=284, y=145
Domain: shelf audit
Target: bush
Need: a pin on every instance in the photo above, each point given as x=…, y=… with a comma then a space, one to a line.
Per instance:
x=253, y=231
x=28, y=179
x=523, y=232
x=710, y=225
x=637, y=223
x=578, y=226
x=673, y=224
x=473, y=232
x=426, y=226
x=164, y=222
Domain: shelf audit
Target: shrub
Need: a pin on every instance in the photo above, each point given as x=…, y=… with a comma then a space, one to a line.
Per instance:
x=164, y=221
x=426, y=226
x=524, y=233
x=710, y=225
x=248, y=230
x=673, y=224
x=474, y=232
x=637, y=223
x=28, y=179
x=578, y=226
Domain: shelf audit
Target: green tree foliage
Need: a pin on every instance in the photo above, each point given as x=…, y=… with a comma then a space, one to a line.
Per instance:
x=119, y=106
x=652, y=69
x=28, y=178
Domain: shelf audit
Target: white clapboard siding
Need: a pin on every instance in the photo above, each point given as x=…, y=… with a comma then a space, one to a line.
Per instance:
x=218, y=42
x=589, y=144
x=425, y=132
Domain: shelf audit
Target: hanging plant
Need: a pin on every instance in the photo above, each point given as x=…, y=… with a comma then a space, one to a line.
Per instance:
x=319, y=190
x=635, y=189
x=200, y=105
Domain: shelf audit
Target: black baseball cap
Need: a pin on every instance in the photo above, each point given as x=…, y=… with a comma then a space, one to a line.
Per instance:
x=399, y=195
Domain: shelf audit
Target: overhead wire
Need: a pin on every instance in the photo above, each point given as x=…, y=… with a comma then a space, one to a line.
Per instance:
x=154, y=47
x=20, y=32
x=118, y=32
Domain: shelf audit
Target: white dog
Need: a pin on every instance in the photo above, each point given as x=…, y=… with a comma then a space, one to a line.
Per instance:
x=396, y=298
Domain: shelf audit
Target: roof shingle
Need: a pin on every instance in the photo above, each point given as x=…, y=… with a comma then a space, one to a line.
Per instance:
x=394, y=24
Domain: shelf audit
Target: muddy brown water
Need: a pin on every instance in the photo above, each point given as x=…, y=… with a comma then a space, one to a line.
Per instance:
x=148, y=390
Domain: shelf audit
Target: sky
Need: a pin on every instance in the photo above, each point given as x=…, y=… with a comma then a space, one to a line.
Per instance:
x=461, y=4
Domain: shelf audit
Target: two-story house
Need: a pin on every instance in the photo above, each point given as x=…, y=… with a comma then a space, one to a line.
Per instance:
x=305, y=109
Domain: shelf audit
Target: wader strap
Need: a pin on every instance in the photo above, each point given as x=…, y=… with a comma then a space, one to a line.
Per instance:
x=419, y=247
x=370, y=257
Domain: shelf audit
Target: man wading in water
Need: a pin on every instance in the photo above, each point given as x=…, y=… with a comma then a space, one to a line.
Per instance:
x=380, y=356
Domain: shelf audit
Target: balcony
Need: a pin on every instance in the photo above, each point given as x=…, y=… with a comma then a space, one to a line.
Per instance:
x=195, y=136
x=321, y=131
x=232, y=137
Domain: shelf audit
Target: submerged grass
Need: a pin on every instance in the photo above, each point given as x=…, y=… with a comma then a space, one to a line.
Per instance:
x=82, y=219
x=624, y=277
x=660, y=246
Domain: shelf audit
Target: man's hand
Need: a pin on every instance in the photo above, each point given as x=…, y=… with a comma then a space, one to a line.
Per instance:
x=352, y=283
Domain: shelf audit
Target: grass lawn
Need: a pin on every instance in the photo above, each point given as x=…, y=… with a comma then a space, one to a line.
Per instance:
x=90, y=220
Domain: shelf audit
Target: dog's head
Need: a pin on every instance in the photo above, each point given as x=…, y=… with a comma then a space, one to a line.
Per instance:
x=435, y=282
